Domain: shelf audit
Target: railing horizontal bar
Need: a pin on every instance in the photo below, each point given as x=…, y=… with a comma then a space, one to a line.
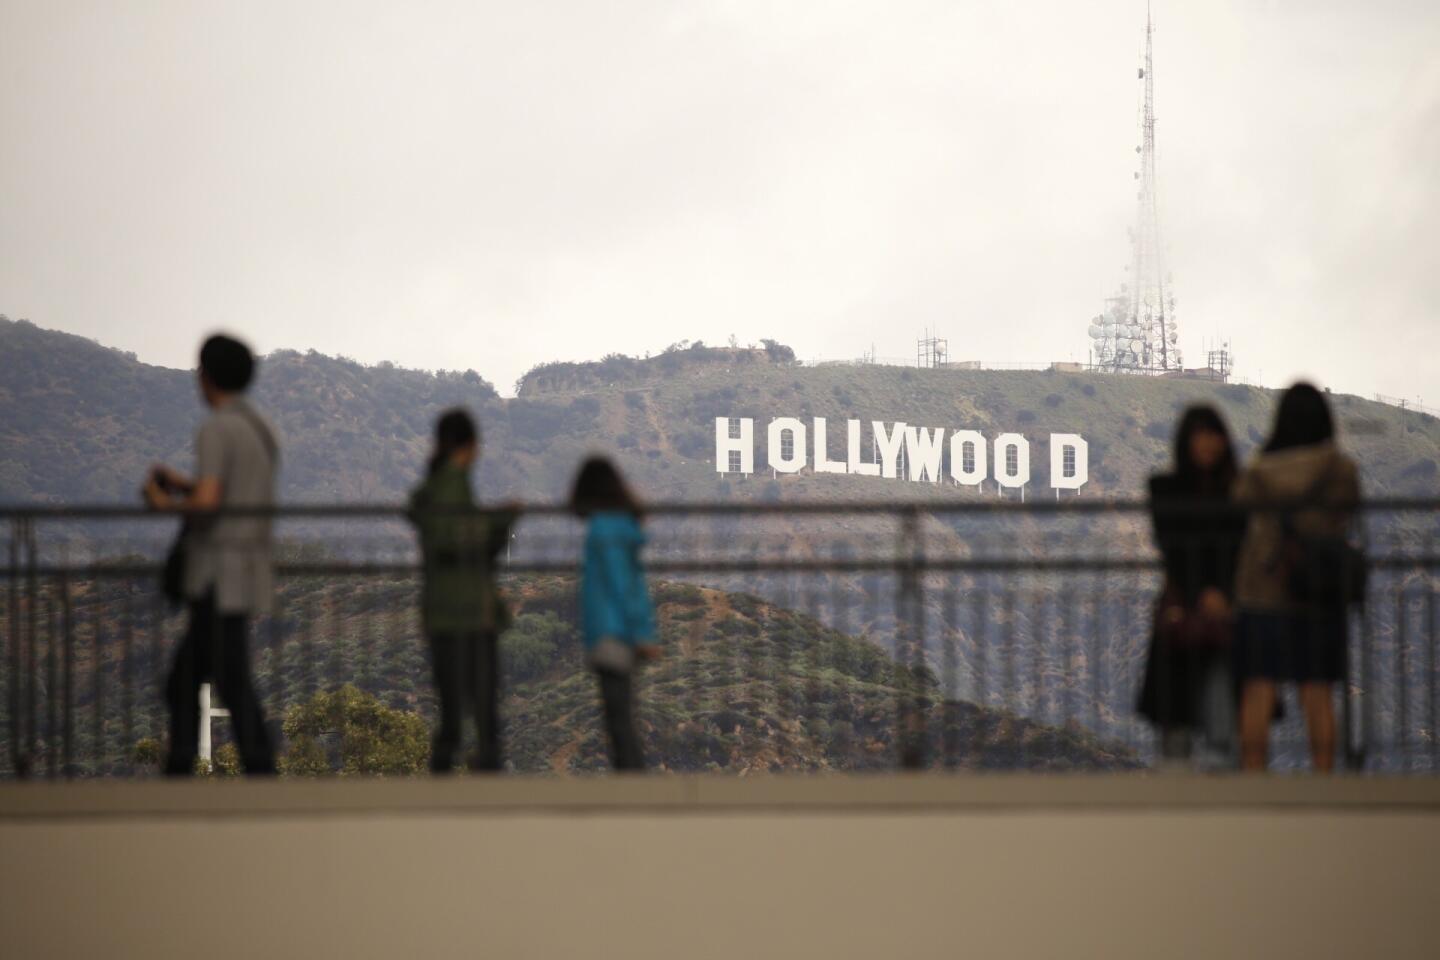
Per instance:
x=718, y=565
x=681, y=508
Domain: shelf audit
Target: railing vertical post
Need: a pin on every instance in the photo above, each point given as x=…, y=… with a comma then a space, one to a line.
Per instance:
x=1357, y=674
x=32, y=629
x=981, y=609
x=13, y=694
x=52, y=682
x=308, y=670
x=911, y=622
x=1066, y=647
x=127, y=683
x=815, y=663
x=1429, y=640
x=949, y=693
x=1402, y=677
x=1356, y=729
x=1093, y=655
x=366, y=675
x=921, y=666
x=97, y=694
x=156, y=668
x=1039, y=625
x=1011, y=701
x=67, y=634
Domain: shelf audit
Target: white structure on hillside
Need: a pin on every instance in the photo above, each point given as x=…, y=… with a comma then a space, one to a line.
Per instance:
x=210, y=711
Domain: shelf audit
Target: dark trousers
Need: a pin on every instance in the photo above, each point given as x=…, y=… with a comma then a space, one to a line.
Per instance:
x=467, y=676
x=618, y=697
x=215, y=650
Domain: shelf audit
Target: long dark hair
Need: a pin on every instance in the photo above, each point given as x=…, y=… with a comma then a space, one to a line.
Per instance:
x=1302, y=420
x=600, y=488
x=1188, y=474
x=454, y=430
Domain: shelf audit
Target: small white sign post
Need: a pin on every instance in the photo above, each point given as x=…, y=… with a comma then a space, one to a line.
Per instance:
x=209, y=712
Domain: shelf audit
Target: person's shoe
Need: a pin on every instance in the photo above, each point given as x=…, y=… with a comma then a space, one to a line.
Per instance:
x=1210, y=759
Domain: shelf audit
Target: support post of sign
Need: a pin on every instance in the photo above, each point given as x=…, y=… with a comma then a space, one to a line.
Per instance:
x=208, y=713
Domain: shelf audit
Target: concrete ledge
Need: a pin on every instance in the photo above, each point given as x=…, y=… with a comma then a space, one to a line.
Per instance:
x=1123, y=866
x=706, y=794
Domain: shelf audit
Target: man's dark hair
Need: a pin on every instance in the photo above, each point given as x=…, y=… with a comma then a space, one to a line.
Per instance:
x=599, y=488
x=227, y=363
x=1302, y=420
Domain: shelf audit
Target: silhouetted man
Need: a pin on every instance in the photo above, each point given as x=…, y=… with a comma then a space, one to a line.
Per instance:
x=227, y=576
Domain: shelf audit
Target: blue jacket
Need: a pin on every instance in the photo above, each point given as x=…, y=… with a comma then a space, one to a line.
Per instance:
x=614, y=601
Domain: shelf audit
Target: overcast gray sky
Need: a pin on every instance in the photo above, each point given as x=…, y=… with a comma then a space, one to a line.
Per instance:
x=494, y=185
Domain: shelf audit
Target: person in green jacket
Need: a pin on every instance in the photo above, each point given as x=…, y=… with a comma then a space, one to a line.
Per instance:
x=462, y=610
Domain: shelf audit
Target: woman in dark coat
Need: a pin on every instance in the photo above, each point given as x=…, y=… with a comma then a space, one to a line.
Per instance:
x=1188, y=684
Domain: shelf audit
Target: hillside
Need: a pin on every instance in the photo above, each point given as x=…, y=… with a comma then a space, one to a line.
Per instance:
x=676, y=362
x=744, y=686
x=751, y=687
x=80, y=422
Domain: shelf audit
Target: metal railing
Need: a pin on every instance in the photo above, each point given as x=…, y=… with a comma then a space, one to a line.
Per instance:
x=800, y=636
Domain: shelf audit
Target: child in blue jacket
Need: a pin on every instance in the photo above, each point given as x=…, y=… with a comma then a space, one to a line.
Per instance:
x=617, y=621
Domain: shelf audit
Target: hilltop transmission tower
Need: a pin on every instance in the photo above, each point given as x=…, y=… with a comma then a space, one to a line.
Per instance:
x=932, y=351
x=1137, y=331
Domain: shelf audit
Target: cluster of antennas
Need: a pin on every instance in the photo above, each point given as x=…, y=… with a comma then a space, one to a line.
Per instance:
x=1127, y=339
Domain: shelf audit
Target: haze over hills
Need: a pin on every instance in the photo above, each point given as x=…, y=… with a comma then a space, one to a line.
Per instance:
x=81, y=422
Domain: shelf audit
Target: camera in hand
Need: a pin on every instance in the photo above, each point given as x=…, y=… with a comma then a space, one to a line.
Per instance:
x=162, y=480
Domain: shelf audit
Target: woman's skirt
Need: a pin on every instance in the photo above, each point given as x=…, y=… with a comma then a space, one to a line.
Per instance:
x=1297, y=647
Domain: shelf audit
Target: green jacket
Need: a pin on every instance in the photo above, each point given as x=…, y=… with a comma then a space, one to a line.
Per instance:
x=459, y=544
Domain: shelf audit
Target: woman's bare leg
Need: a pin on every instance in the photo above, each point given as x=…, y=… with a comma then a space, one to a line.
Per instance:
x=1257, y=706
x=1319, y=707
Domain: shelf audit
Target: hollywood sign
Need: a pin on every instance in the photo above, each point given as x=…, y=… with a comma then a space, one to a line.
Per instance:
x=899, y=451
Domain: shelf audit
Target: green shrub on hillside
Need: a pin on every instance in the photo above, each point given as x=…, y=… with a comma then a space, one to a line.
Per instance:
x=1236, y=393
x=348, y=731
x=532, y=645
x=681, y=594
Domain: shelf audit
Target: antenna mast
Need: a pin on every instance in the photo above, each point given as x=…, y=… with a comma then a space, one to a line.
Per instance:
x=1151, y=306
x=1137, y=333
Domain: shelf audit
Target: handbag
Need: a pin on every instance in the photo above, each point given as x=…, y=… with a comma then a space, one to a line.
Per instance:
x=172, y=572
x=612, y=655
x=1179, y=627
